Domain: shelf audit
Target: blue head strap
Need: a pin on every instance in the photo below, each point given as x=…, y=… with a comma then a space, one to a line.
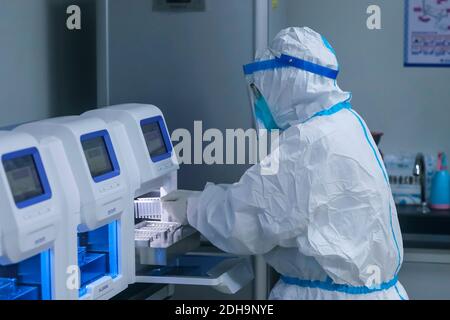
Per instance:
x=285, y=61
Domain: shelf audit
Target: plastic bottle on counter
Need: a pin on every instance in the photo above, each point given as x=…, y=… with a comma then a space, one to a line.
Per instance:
x=440, y=189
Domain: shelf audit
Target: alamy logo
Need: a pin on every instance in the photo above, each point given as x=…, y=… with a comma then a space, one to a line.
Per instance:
x=73, y=21
x=374, y=19
x=73, y=278
x=238, y=146
x=374, y=279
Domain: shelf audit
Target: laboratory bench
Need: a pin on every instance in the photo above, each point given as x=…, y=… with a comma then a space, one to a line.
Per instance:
x=425, y=272
x=424, y=231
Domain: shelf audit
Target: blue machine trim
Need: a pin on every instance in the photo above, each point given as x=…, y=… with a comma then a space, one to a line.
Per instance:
x=34, y=152
x=165, y=134
x=111, y=153
x=30, y=279
x=113, y=249
x=46, y=275
x=101, y=256
x=82, y=292
x=285, y=61
x=329, y=285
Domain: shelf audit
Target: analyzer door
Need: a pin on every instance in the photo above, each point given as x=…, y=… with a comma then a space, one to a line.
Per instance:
x=98, y=255
x=27, y=280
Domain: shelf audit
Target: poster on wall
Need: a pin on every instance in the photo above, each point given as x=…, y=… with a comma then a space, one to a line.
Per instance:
x=427, y=33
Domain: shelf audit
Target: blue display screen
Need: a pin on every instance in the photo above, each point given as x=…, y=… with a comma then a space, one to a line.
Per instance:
x=97, y=156
x=23, y=178
x=100, y=156
x=26, y=177
x=156, y=138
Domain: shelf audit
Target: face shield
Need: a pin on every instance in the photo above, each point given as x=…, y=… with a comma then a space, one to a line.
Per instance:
x=262, y=112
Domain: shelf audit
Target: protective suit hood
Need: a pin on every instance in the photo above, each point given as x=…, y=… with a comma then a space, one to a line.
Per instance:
x=293, y=94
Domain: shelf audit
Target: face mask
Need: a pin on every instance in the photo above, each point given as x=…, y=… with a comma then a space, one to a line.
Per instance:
x=263, y=115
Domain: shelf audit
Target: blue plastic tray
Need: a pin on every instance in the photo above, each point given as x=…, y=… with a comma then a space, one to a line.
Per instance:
x=9, y=290
x=94, y=267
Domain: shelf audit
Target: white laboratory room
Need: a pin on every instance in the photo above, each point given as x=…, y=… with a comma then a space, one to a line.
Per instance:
x=219, y=159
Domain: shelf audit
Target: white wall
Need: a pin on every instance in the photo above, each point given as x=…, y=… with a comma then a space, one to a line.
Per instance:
x=189, y=65
x=45, y=70
x=410, y=105
x=278, y=17
x=24, y=80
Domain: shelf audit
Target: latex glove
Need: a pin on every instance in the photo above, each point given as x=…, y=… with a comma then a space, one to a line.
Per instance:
x=175, y=205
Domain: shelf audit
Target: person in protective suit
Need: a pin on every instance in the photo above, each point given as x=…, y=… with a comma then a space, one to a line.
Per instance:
x=326, y=220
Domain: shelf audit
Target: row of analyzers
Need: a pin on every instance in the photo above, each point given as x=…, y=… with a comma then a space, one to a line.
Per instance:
x=81, y=216
x=66, y=191
x=67, y=187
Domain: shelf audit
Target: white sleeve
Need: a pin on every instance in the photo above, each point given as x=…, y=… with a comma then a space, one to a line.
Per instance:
x=261, y=211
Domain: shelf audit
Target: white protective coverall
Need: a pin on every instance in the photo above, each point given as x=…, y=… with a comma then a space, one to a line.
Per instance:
x=326, y=221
